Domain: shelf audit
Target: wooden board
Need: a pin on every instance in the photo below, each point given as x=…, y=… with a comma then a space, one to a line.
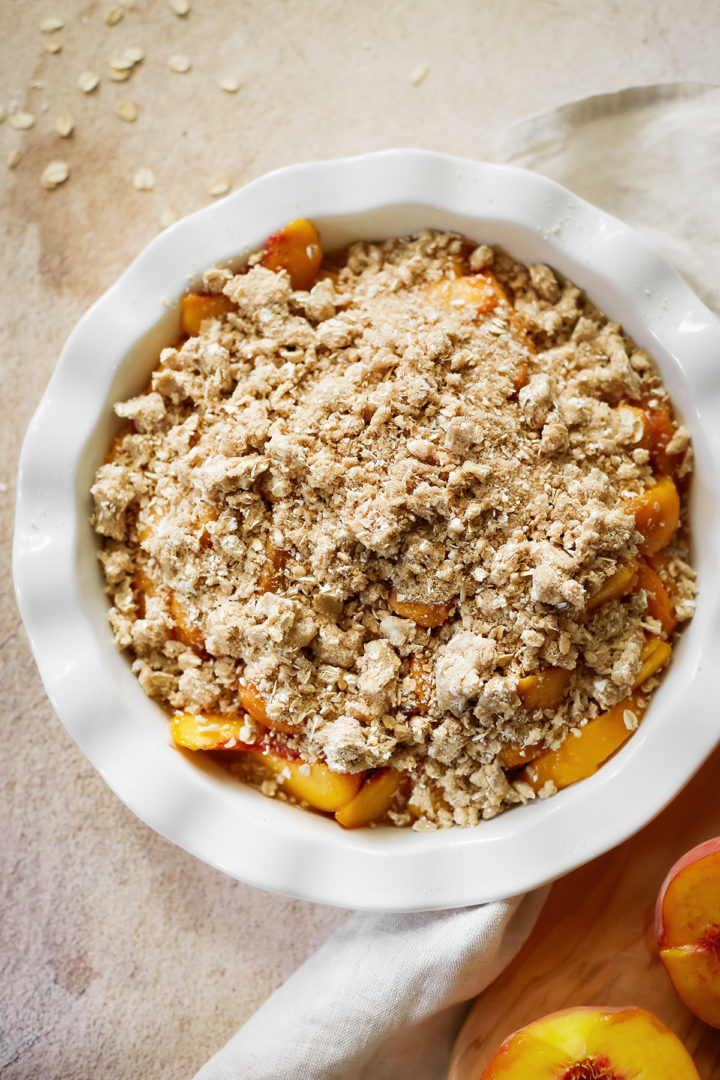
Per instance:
x=594, y=942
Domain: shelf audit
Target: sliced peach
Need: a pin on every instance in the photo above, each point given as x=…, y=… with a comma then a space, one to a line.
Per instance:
x=423, y=684
x=512, y=756
x=145, y=588
x=661, y=428
x=655, y=654
x=187, y=631
x=657, y=512
x=196, y=307
x=297, y=249
x=659, y=604
x=588, y=1043
x=254, y=704
x=150, y=517
x=207, y=731
x=270, y=578
x=313, y=783
x=427, y=615
x=638, y=413
x=520, y=377
x=543, y=690
x=658, y=430
x=482, y=291
x=581, y=755
x=372, y=801
x=687, y=928
x=619, y=584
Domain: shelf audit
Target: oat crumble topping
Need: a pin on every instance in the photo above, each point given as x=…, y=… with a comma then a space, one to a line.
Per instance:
x=313, y=463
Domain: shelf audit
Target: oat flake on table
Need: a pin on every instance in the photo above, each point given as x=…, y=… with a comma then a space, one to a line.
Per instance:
x=21, y=121
x=179, y=63
x=50, y=25
x=143, y=179
x=64, y=125
x=88, y=81
x=219, y=185
x=54, y=174
x=127, y=111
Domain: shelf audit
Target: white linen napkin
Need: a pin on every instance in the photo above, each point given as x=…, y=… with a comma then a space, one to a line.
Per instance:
x=648, y=154
x=384, y=997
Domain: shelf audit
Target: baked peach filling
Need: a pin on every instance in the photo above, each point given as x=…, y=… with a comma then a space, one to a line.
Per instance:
x=398, y=534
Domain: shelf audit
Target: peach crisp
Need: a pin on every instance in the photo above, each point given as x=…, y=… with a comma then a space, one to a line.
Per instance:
x=398, y=534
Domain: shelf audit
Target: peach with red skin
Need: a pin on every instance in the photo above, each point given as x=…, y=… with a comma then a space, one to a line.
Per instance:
x=687, y=929
x=583, y=1043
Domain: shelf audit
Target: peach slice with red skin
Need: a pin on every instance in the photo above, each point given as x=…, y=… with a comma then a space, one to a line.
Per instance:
x=687, y=929
x=311, y=782
x=589, y=1043
x=297, y=249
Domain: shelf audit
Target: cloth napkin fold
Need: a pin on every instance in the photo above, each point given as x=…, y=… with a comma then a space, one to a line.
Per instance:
x=383, y=998
x=386, y=994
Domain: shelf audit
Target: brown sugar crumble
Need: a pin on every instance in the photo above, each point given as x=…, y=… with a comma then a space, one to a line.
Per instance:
x=359, y=522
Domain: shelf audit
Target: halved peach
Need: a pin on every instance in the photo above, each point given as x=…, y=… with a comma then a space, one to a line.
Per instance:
x=619, y=584
x=545, y=689
x=687, y=928
x=424, y=614
x=655, y=654
x=207, y=731
x=589, y=1043
x=372, y=801
x=659, y=604
x=297, y=249
x=581, y=755
x=312, y=782
x=657, y=512
x=482, y=291
x=196, y=307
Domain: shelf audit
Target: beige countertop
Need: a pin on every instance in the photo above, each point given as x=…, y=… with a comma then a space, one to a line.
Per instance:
x=121, y=955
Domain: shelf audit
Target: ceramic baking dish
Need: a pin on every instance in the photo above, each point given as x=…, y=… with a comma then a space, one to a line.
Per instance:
x=60, y=591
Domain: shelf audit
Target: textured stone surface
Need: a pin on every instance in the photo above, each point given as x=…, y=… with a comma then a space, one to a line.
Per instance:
x=121, y=955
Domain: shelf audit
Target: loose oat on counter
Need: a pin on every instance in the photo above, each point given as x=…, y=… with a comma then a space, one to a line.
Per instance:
x=399, y=521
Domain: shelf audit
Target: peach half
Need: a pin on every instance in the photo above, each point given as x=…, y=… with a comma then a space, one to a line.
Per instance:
x=591, y=1043
x=687, y=929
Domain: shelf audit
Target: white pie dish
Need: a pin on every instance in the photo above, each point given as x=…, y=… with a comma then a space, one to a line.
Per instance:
x=60, y=590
